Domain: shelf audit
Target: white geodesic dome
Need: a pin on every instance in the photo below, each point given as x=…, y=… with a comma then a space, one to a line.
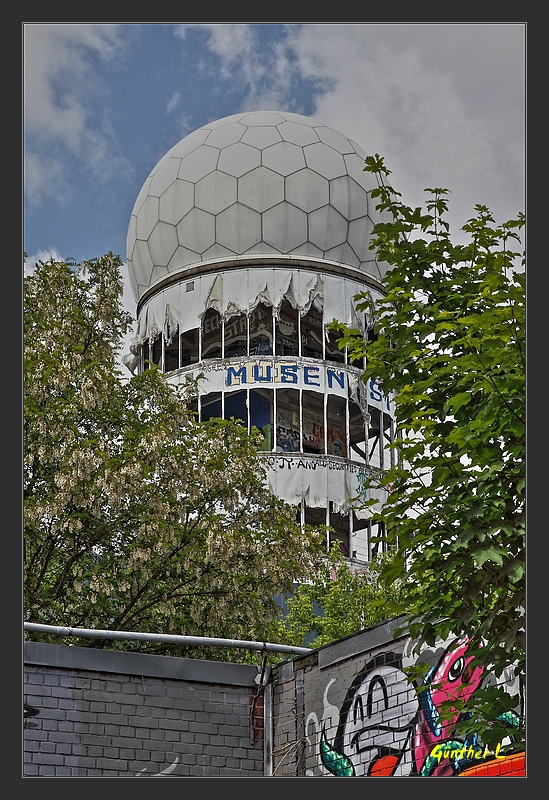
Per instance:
x=254, y=183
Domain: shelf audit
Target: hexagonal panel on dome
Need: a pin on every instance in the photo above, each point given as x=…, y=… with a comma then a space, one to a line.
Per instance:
x=307, y=190
x=334, y=139
x=261, y=137
x=283, y=158
x=260, y=189
x=359, y=236
x=157, y=274
x=147, y=218
x=255, y=118
x=162, y=243
x=296, y=133
x=220, y=123
x=237, y=159
x=238, y=228
x=372, y=268
x=183, y=257
x=217, y=251
x=196, y=231
x=348, y=197
x=142, y=263
x=226, y=135
x=141, y=197
x=292, y=117
x=308, y=249
x=327, y=228
x=197, y=164
x=164, y=176
x=344, y=254
x=285, y=227
x=324, y=160
x=131, y=235
x=188, y=144
x=263, y=249
x=215, y=192
x=358, y=150
x=354, y=166
x=176, y=201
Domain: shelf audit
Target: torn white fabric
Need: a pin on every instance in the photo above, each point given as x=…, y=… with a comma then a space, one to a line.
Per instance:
x=182, y=306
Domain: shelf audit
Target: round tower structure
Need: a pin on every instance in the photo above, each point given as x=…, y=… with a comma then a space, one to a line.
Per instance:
x=246, y=240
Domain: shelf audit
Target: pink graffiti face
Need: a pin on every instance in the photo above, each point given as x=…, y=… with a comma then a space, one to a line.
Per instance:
x=456, y=676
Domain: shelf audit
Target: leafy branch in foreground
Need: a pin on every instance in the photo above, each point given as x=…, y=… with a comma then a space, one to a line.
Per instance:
x=450, y=349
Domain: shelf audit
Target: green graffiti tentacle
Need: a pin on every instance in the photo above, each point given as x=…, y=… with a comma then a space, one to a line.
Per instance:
x=335, y=762
x=451, y=747
x=511, y=717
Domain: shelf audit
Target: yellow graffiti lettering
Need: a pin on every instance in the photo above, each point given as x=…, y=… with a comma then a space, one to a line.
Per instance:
x=498, y=748
x=439, y=752
x=436, y=752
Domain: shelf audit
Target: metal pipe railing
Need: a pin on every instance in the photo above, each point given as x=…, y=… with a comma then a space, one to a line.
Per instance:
x=165, y=638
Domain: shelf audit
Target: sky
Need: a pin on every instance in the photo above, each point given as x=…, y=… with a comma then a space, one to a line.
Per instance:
x=443, y=103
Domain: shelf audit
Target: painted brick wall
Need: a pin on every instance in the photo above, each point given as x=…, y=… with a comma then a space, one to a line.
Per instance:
x=114, y=714
x=348, y=710
x=343, y=710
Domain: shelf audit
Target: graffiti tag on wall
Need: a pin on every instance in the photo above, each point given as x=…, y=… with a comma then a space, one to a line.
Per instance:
x=384, y=727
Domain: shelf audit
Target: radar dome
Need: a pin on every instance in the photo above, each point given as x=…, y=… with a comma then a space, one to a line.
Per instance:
x=253, y=183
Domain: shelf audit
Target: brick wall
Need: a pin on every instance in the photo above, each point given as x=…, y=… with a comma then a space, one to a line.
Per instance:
x=113, y=714
x=346, y=709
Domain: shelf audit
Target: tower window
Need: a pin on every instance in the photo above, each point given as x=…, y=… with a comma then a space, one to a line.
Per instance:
x=211, y=334
x=171, y=354
x=314, y=439
x=357, y=433
x=261, y=331
x=261, y=415
x=287, y=421
x=236, y=336
x=189, y=347
x=210, y=406
x=336, y=426
x=333, y=353
x=286, y=330
x=311, y=333
x=236, y=406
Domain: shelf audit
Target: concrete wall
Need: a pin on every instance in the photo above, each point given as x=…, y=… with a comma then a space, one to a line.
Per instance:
x=115, y=714
x=343, y=710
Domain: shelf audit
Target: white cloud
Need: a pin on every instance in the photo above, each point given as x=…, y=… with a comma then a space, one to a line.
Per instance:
x=262, y=71
x=31, y=261
x=174, y=102
x=442, y=103
x=60, y=85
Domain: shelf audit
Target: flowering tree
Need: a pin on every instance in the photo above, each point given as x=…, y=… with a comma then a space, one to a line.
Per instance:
x=136, y=516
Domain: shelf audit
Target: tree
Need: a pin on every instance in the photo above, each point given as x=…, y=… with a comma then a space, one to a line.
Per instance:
x=450, y=348
x=338, y=602
x=136, y=516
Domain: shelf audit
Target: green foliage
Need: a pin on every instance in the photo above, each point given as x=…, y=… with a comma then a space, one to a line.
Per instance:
x=451, y=351
x=338, y=602
x=136, y=516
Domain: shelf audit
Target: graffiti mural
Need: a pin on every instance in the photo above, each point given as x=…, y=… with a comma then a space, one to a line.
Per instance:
x=376, y=723
x=386, y=727
x=29, y=712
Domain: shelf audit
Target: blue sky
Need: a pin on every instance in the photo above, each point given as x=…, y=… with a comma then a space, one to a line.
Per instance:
x=443, y=103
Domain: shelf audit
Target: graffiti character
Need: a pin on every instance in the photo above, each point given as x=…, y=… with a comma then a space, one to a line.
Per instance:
x=455, y=676
x=376, y=723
